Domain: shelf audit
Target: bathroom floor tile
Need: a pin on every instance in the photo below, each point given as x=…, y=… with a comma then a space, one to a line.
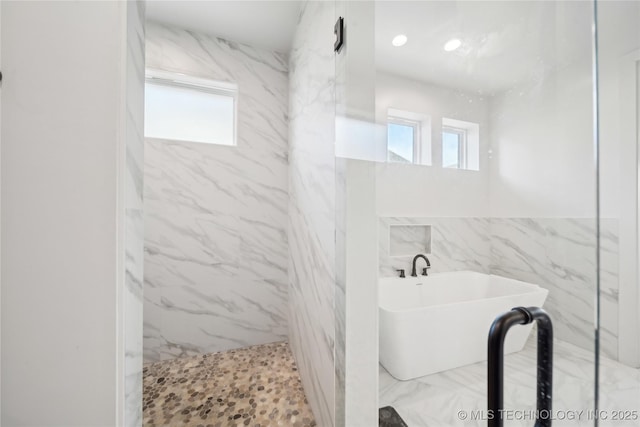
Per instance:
x=254, y=386
x=458, y=397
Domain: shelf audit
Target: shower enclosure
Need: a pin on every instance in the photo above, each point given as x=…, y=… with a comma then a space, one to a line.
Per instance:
x=499, y=138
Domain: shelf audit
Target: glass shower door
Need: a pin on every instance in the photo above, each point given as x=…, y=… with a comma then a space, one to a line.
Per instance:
x=464, y=132
x=501, y=93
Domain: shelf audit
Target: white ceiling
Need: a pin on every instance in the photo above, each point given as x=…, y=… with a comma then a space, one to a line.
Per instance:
x=262, y=23
x=503, y=42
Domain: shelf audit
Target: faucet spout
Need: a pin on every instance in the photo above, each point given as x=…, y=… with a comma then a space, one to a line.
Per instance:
x=413, y=268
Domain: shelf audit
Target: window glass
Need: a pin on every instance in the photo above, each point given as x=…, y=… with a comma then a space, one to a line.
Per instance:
x=451, y=149
x=400, y=142
x=185, y=112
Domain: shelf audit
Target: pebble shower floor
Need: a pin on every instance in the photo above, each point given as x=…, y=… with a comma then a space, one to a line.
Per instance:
x=257, y=386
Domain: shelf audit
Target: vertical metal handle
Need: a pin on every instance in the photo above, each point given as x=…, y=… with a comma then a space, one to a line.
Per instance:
x=497, y=334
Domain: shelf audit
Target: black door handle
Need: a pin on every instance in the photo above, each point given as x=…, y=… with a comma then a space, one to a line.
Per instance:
x=495, y=363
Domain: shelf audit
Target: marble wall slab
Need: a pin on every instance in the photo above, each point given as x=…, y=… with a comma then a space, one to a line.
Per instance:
x=408, y=240
x=312, y=206
x=456, y=244
x=134, y=223
x=216, y=256
x=558, y=254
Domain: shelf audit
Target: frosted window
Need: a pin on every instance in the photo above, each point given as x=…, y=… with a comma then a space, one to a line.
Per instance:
x=186, y=112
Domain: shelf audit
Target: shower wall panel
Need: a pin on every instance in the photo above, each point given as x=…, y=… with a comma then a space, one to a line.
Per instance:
x=134, y=223
x=312, y=207
x=216, y=216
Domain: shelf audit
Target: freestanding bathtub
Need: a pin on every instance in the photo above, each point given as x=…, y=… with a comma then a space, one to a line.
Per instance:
x=433, y=323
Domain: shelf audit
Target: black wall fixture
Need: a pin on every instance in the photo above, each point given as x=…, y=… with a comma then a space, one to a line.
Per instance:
x=338, y=30
x=497, y=334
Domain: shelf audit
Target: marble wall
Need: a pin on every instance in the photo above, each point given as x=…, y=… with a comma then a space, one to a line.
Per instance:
x=216, y=216
x=134, y=224
x=312, y=206
x=456, y=244
x=558, y=254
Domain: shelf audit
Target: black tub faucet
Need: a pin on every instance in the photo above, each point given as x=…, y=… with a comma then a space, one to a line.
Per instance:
x=424, y=270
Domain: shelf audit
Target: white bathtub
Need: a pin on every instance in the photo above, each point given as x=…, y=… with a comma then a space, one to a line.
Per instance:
x=441, y=321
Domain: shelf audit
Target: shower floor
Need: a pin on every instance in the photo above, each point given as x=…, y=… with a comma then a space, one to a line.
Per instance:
x=448, y=398
x=255, y=386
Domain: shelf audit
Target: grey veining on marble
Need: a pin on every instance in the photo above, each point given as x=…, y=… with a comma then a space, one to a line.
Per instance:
x=134, y=222
x=312, y=224
x=558, y=254
x=456, y=244
x=435, y=400
x=409, y=240
x=216, y=216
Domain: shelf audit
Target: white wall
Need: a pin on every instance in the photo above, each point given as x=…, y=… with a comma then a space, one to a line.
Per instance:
x=416, y=190
x=542, y=141
x=541, y=161
x=361, y=356
x=63, y=141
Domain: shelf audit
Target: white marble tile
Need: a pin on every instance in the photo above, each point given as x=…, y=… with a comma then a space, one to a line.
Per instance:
x=435, y=400
x=312, y=224
x=409, y=240
x=456, y=244
x=460, y=244
x=133, y=316
x=134, y=222
x=191, y=230
x=559, y=254
x=221, y=315
x=216, y=256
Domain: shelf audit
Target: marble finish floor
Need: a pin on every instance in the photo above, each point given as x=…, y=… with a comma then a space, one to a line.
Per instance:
x=255, y=386
x=453, y=398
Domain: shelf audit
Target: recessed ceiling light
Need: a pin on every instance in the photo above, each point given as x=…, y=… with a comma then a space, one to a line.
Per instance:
x=399, y=40
x=452, y=45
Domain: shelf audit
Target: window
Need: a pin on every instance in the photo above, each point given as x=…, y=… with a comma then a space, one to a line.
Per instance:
x=460, y=144
x=408, y=137
x=184, y=108
x=402, y=141
x=454, y=148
